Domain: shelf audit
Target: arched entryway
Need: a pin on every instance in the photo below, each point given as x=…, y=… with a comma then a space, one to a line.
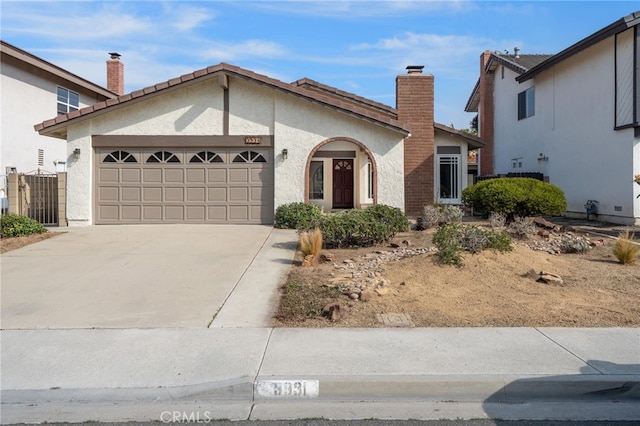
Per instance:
x=341, y=173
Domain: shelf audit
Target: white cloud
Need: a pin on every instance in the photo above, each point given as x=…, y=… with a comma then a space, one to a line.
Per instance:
x=221, y=51
x=186, y=18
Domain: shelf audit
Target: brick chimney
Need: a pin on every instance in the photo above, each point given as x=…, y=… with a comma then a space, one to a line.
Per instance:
x=485, y=116
x=414, y=103
x=115, y=74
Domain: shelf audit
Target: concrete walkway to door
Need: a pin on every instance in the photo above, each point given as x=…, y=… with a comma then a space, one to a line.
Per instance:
x=143, y=276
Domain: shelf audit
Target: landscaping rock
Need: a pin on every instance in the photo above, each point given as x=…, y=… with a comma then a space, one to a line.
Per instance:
x=335, y=311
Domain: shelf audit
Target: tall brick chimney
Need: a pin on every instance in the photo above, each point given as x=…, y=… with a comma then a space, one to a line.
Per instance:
x=414, y=103
x=115, y=74
x=485, y=116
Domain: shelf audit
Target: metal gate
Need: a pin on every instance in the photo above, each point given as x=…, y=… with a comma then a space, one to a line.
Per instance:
x=38, y=197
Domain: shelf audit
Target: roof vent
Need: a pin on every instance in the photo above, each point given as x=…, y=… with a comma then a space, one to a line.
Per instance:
x=516, y=52
x=415, y=69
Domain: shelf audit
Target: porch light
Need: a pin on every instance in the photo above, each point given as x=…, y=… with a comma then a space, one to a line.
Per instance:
x=76, y=153
x=285, y=154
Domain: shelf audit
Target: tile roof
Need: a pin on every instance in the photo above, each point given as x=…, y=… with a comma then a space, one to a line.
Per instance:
x=307, y=89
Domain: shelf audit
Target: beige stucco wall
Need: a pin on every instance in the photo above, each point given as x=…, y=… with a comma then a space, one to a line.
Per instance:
x=297, y=125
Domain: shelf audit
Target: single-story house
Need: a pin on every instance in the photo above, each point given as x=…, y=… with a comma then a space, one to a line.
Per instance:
x=227, y=145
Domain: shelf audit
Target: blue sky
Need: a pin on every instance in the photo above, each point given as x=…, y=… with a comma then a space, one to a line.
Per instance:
x=357, y=46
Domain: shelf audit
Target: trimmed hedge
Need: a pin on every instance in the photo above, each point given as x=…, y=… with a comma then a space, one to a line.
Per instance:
x=297, y=216
x=14, y=225
x=373, y=225
x=515, y=197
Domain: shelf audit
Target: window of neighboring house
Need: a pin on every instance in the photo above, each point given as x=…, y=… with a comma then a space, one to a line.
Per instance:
x=526, y=103
x=67, y=101
x=316, y=180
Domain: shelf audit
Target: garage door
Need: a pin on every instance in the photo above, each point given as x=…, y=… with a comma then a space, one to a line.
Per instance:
x=221, y=185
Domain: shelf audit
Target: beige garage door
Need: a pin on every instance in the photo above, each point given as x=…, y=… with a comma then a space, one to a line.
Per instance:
x=222, y=185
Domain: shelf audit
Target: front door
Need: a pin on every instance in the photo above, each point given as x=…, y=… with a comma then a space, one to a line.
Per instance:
x=342, y=184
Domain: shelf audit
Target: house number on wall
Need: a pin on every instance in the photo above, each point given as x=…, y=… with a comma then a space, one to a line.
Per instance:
x=252, y=140
x=288, y=388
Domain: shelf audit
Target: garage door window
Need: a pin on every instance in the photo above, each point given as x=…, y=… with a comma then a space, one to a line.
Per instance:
x=120, y=157
x=206, y=157
x=163, y=157
x=249, y=157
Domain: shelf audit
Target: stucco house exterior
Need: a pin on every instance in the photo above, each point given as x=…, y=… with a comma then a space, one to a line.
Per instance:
x=227, y=145
x=573, y=116
x=34, y=90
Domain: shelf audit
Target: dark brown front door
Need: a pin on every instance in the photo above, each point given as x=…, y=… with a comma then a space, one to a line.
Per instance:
x=342, y=184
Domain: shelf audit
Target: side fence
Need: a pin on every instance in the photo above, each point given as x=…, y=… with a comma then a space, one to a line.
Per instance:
x=40, y=196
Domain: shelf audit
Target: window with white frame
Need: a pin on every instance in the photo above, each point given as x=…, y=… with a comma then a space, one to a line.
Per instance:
x=316, y=180
x=68, y=101
x=526, y=103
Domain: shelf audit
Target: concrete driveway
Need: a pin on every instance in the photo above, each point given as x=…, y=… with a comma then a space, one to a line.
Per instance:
x=146, y=276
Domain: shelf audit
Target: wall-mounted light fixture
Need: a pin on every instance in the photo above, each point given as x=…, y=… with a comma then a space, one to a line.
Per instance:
x=285, y=154
x=543, y=157
x=76, y=153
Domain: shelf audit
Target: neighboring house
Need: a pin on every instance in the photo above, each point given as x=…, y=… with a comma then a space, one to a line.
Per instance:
x=573, y=116
x=227, y=145
x=34, y=90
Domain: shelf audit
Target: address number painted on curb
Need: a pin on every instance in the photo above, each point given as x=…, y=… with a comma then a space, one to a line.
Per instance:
x=288, y=388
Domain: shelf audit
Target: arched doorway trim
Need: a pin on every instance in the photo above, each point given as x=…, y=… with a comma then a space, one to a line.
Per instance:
x=341, y=139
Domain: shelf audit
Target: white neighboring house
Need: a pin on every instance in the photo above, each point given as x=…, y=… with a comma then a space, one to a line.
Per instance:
x=34, y=90
x=573, y=116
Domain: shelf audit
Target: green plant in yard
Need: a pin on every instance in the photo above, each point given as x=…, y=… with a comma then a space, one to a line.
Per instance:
x=362, y=228
x=14, y=225
x=522, y=227
x=515, y=197
x=392, y=216
x=626, y=248
x=297, y=216
x=453, y=239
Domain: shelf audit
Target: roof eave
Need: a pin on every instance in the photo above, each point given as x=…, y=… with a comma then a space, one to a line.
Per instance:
x=471, y=140
x=606, y=32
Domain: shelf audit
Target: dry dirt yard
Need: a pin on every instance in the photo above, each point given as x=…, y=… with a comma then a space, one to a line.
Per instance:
x=491, y=289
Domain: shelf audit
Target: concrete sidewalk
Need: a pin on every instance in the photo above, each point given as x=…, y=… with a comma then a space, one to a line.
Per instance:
x=265, y=373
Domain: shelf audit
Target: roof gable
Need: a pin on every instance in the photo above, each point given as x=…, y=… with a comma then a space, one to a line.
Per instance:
x=314, y=93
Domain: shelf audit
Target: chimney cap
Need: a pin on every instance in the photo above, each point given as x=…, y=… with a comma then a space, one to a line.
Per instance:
x=114, y=55
x=516, y=52
x=415, y=69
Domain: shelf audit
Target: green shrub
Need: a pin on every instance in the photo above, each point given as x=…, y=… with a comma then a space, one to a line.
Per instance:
x=297, y=216
x=453, y=239
x=362, y=228
x=392, y=216
x=14, y=225
x=515, y=197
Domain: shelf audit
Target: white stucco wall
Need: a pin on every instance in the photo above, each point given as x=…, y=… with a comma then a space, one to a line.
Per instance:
x=301, y=126
x=25, y=100
x=296, y=125
x=573, y=127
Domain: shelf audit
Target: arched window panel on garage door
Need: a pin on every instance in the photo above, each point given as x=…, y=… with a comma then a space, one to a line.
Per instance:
x=119, y=157
x=206, y=157
x=163, y=157
x=249, y=157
